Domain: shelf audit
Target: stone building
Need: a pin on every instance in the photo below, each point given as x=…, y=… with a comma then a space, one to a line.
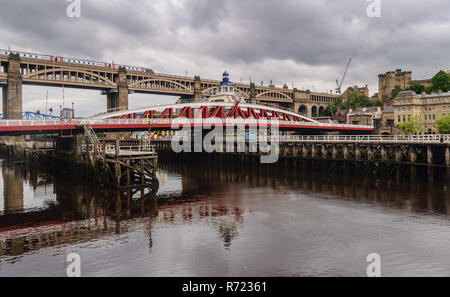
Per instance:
x=365, y=116
x=312, y=104
x=427, y=107
x=341, y=115
x=388, y=81
x=362, y=90
x=388, y=117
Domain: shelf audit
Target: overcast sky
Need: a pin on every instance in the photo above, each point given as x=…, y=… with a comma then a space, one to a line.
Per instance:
x=301, y=42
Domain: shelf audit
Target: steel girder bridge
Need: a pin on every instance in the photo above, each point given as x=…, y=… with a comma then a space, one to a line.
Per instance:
x=29, y=115
x=177, y=116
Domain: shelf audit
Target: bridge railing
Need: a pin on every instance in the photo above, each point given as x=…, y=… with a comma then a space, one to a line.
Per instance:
x=385, y=139
x=179, y=121
x=20, y=123
x=126, y=147
x=367, y=138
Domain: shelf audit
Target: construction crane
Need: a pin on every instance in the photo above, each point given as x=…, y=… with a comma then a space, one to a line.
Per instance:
x=339, y=85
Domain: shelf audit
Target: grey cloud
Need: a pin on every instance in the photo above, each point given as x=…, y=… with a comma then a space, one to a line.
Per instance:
x=244, y=35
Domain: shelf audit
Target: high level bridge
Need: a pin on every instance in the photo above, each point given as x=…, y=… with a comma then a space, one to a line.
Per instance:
x=118, y=81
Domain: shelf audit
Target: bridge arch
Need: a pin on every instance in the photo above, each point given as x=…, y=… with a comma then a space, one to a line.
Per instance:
x=137, y=83
x=321, y=111
x=303, y=110
x=162, y=108
x=273, y=92
x=35, y=75
x=206, y=91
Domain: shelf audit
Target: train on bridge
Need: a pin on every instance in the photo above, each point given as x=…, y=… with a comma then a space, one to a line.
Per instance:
x=57, y=59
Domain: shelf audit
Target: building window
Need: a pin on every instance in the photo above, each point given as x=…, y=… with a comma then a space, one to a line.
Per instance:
x=404, y=118
x=399, y=120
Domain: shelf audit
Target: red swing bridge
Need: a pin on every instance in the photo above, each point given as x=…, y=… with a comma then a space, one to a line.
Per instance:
x=178, y=116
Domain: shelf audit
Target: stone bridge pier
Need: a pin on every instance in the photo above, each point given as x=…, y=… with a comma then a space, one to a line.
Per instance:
x=117, y=99
x=12, y=90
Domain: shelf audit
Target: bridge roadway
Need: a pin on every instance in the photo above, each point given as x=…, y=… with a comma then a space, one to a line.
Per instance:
x=118, y=81
x=177, y=116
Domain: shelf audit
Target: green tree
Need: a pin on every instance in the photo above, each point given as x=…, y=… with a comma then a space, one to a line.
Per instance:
x=331, y=109
x=412, y=125
x=397, y=89
x=429, y=90
x=417, y=87
x=356, y=99
x=376, y=102
x=444, y=124
x=441, y=81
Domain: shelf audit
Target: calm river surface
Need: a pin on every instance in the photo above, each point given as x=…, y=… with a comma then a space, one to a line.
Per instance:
x=213, y=220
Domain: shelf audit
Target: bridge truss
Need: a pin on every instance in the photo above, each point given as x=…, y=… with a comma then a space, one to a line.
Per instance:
x=177, y=116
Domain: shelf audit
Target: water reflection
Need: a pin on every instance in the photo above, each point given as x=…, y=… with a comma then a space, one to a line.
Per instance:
x=286, y=219
x=81, y=212
x=400, y=189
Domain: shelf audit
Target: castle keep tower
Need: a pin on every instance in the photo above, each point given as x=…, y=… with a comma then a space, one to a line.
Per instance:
x=388, y=81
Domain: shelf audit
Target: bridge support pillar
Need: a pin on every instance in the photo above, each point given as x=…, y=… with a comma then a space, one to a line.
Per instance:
x=305, y=151
x=345, y=151
x=197, y=89
x=295, y=150
x=447, y=156
x=369, y=153
x=429, y=155
x=383, y=153
x=324, y=151
x=252, y=93
x=117, y=99
x=12, y=94
x=334, y=152
x=357, y=153
x=313, y=151
x=412, y=154
x=398, y=154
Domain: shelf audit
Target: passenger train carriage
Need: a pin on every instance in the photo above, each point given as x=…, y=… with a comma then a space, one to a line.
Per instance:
x=77, y=61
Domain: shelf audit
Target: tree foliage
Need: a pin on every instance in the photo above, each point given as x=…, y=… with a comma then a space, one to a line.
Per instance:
x=397, y=89
x=441, y=81
x=355, y=99
x=412, y=125
x=444, y=124
x=331, y=109
x=417, y=87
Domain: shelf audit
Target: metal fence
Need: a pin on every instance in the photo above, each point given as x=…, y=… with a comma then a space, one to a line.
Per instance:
x=431, y=139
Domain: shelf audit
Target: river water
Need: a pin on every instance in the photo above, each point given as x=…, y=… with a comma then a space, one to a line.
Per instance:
x=213, y=219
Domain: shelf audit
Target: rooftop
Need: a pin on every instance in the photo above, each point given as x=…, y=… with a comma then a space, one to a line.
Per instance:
x=437, y=95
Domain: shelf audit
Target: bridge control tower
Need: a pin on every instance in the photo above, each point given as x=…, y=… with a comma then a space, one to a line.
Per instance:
x=225, y=92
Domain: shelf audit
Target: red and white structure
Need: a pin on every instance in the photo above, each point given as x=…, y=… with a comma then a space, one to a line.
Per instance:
x=177, y=116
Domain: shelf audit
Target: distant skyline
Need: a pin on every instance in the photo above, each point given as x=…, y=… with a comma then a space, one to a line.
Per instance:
x=304, y=43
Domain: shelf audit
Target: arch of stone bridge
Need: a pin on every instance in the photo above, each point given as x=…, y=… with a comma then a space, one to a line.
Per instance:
x=137, y=83
x=273, y=92
x=206, y=91
x=161, y=108
x=36, y=74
